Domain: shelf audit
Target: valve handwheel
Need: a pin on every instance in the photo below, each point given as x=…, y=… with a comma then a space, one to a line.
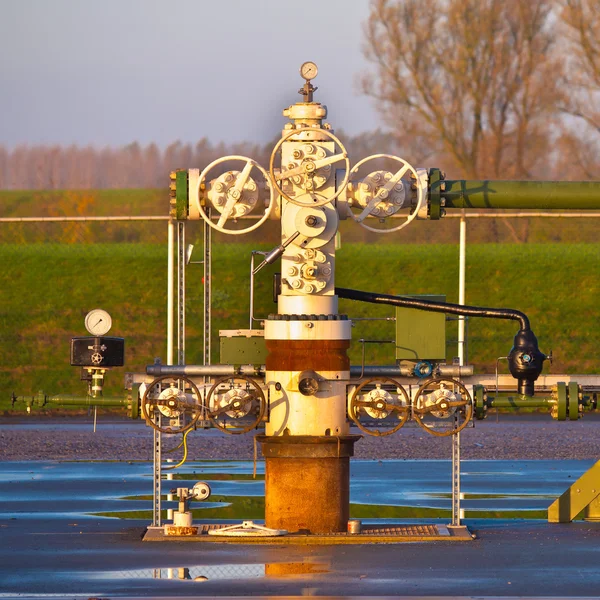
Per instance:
x=241, y=193
x=232, y=398
x=166, y=398
x=380, y=404
x=443, y=399
x=308, y=167
x=385, y=190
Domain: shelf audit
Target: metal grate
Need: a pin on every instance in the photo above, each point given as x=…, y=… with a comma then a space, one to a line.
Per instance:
x=400, y=530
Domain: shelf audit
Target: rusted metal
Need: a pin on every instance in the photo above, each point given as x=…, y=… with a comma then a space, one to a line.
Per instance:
x=308, y=479
x=300, y=355
x=307, y=446
x=171, y=530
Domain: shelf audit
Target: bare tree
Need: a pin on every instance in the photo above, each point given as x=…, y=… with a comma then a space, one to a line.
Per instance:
x=580, y=144
x=472, y=82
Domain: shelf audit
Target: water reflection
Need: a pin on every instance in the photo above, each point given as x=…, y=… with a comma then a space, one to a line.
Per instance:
x=223, y=571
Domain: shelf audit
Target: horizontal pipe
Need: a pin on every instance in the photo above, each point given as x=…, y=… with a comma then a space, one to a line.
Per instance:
x=443, y=307
x=518, y=401
x=575, y=195
x=523, y=214
x=71, y=400
x=81, y=219
x=393, y=371
x=204, y=370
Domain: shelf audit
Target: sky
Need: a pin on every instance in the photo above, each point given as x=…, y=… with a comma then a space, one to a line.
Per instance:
x=110, y=72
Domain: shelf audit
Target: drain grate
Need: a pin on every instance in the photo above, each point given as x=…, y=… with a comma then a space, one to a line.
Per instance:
x=400, y=530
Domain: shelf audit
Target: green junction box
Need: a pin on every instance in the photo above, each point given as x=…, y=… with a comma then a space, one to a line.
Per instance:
x=243, y=347
x=421, y=335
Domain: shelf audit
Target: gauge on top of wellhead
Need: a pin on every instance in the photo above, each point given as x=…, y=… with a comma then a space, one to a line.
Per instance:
x=308, y=70
x=98, y=322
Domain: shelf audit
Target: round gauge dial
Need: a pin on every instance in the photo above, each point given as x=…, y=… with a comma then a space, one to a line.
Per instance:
x=98, y=322
x=309, y=70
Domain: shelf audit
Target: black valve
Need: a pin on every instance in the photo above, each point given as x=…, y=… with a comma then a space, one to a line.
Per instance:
x=526, y=361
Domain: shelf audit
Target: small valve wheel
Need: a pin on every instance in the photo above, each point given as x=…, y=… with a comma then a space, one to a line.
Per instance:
x=176, y=399
x=381, y=399
x=310, y=171
x=382, y=193
x=233, y=194
x=443, y=399
x=236, y=404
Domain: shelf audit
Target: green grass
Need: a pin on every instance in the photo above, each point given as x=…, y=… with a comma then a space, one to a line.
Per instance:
x=48, y=288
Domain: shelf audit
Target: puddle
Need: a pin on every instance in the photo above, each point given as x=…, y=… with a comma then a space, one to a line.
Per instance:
x=200, y=573
x=380, y=490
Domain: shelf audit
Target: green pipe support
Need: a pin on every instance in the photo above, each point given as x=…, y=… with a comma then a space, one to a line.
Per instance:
x=582, y=497
x=540, y=195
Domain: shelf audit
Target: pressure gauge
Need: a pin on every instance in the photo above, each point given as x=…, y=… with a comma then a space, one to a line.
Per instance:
x=308, y=70
x=98, y=322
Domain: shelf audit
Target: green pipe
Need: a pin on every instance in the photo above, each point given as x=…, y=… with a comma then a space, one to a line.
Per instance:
x=507, y=400
x=565, y=195
x=71, y=400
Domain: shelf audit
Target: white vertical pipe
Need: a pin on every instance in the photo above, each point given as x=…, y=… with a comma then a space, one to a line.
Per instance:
x=461, y=286
x=170, y=290
x=456, y=496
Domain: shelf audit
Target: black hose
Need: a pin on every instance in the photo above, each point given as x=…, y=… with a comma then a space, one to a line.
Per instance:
x=443, y=307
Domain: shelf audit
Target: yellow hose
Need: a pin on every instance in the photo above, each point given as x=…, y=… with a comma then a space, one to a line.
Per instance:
x=185, y=452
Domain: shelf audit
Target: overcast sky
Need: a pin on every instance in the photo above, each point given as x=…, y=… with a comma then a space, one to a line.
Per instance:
x=109, y=72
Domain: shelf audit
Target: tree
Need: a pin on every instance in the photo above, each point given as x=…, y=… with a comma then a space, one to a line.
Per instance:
x=474, y=83
x=580, y=144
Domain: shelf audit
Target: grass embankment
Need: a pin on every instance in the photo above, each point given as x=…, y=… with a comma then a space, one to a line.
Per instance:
x=48, y=288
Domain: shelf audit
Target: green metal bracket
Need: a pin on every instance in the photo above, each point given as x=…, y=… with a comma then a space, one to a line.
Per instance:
x=181, y=195
x=573, y=401
x=134, y=407
x=436, y=186
x=562, y=401
x=582, y=496
x=479, y=397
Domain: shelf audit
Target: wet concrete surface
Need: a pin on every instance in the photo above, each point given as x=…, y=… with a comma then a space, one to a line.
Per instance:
x=51, y=544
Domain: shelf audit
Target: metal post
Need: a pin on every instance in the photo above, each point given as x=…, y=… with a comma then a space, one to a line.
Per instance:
x=157, y=477
x=181, y=248
x=251, y=289
x=462, y=359
x=456, y=480
x=207, y=293
x=170, y=283
x=461, y=287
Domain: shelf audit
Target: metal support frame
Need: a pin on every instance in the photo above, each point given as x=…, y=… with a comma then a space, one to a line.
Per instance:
x=157, y=478
x=456, y=510
x=462, y=359
x=206, y=351
x=181, y=260
x=252, y=255
x=582, y=496
x=462, y=354
x=170, y=288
